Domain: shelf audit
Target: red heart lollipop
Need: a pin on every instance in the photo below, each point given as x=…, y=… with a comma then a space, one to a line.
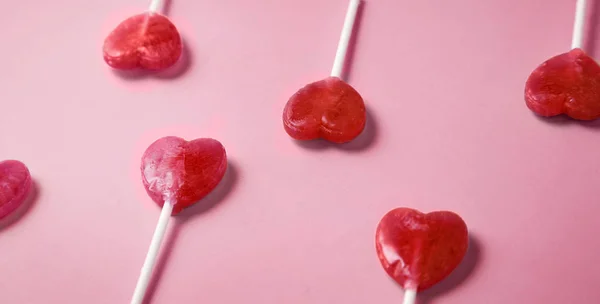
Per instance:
x=182, y=172
x=568, y=84
x=148, y=41
x=176, y=173
x=418, y=250
x=330, y=109
x=15, y=183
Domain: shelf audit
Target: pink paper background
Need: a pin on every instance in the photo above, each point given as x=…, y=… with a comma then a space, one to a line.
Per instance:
x=293, y=223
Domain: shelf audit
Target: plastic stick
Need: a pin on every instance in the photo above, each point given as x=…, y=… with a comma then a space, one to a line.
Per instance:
x=340, y=55
x=146, y=273
x=155, y=6
x=410, y=296
x=578, y=28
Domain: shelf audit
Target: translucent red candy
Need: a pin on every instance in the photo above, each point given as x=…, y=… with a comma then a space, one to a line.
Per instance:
x=329, y=109
x=15, y=184
x=147, y=41
x=182, y=172
x=418, y=250
x=568, y=84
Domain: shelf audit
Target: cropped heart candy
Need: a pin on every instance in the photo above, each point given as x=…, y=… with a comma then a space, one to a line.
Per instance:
x=418, y=250
x=182, y=172
x=15, y=184
x=568, y=84
x=147, y=41
x=329, y=109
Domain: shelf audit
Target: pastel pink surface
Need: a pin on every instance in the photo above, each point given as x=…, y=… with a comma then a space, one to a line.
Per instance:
x=449, y=131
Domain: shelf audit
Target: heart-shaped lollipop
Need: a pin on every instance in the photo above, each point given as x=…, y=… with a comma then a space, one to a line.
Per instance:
x=568, y=83
x=147, y=41
x=330, y=109
x=182, y=172
x=15, y=184
x=176, y=174
x=418, y=250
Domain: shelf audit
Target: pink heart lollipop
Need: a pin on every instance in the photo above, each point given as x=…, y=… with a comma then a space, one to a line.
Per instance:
x=177, y=174
x=182, y=173
x=15, y=184
x=147, y=41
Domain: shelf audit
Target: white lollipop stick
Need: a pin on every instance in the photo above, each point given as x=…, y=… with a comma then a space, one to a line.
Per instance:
x=578, y=28
x=410, y=296
x=340, y=55
x=146, y=273
x=155, y=6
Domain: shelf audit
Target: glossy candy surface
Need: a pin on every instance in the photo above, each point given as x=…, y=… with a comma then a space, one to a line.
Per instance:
x=147, y=41
x=329, y=109
x=568, y=83
x=182, y=172
x=15, y=185
x=418, y=250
